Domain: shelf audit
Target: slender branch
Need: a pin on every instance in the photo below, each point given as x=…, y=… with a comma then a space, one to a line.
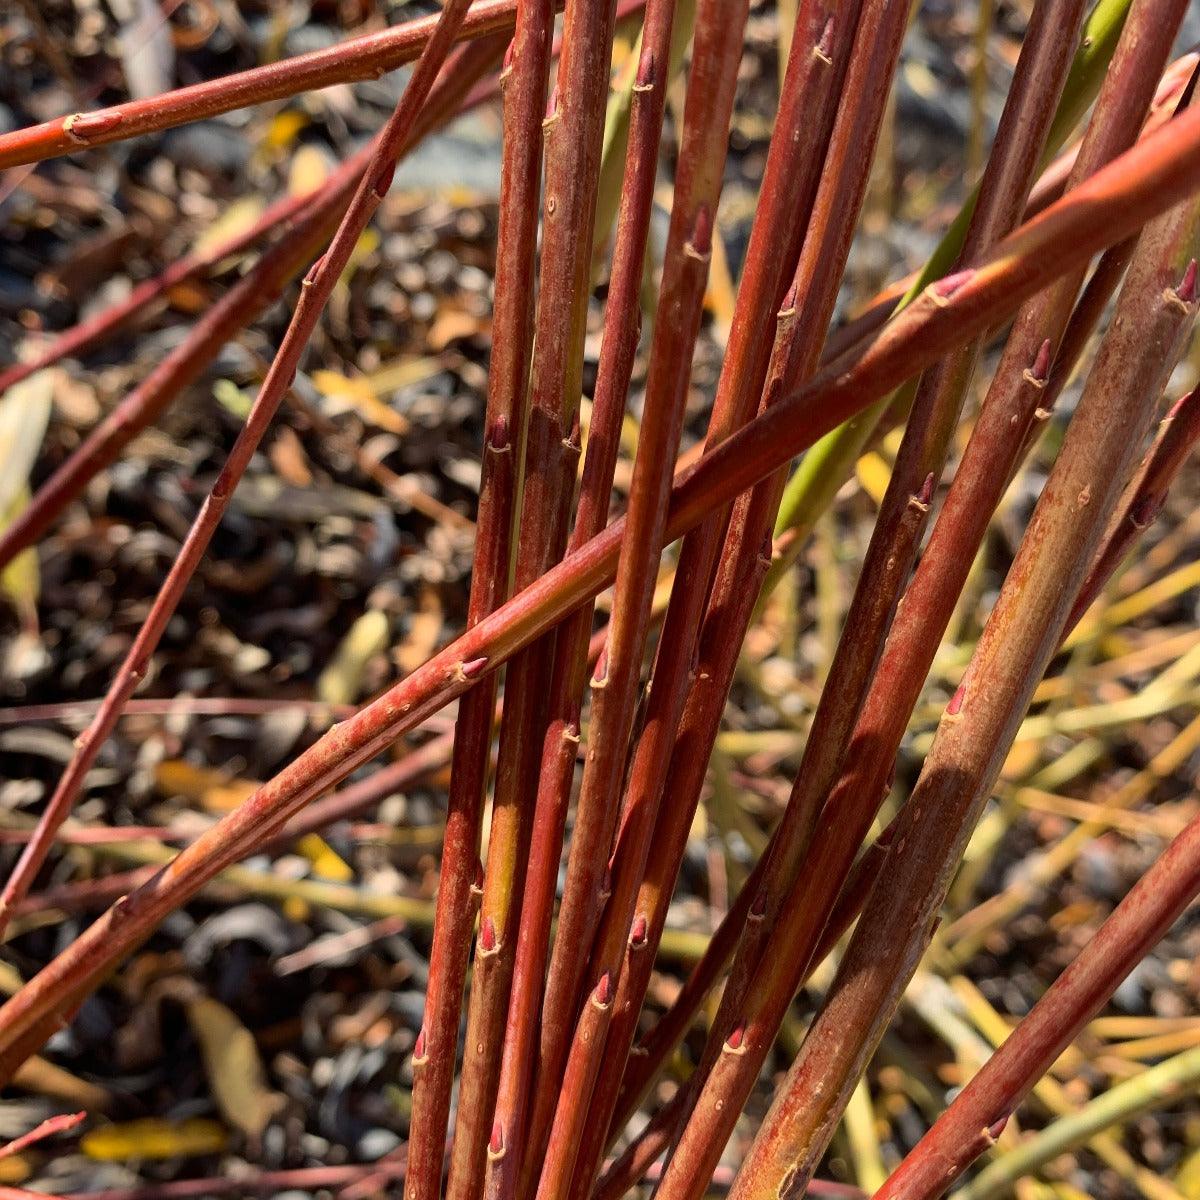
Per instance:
x=561, y=742
x=1105, y=209
x=802, y=323
x=1039, y=79
x=645, y=1149
x=1147, y=335
x=822, y=472
x=573, y=130
x=1144, y=497
x=1155, y=1087
x=361, y=58
x=817, y=65
x=972, y=1122
x=354, y=198
x=524, y=80
x=716, y=53
x=921, y=621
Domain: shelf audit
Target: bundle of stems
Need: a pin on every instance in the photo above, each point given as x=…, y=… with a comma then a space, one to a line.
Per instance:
x=544, y=941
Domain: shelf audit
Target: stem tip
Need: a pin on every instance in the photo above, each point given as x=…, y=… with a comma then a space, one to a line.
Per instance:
x=603, y=992
x=1041, y=364
x=487, y=935
x=944, y=288
x=1186, y=290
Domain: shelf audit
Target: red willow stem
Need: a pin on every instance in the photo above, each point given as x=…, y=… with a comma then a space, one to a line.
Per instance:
x=523, y=78
x=1041, y=72
x=674, y=1023
x=979, y=1112
x=260, y=1183
x=95, y=329
x=968, y=507
x=816, y=67
x=1018, y=389
x=560, y=745
x=716, y=53
x=573, y=131
x=635, y=1161
x=1177, y=436
x=368, y=57
x=630, y=1169
x=1147, y=336
x=1105, y=209
x=1144, y=497
x=237, y=308
x=347, y=190
x=240, y=306
x=802, y=324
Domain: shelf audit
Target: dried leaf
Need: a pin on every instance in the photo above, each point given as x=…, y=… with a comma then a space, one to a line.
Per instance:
x=146, y=50
x=308, y=171
x=451, y=324
x=402, y=372
x=283, y=129
x=359, y=394
x=235, y=1072
x=288, y=458
x=44, y=1078
x=326, y=862
x=424, y=631
x=24, y=415
x=233, y=398
x=341, y=681
x=154, y=1138
x=213, y=790
x=235, y=220
x=873, y=474
x=20, y=580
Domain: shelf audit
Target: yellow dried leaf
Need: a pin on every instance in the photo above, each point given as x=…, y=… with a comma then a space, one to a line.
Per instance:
x=287, y=456
x=359, y=394
x=237, y=218
x=15, y=1169
x=873, y=474
x=20, y=580
x=283, y=129
x=233, y=398
x=341, y=681
x=308, y=170
x=154, y=1138
x=24, y=415
x=367, y=244
x=719, y=299
x=44, y=1078
x=401, y=373
x=326, y=862
x=451, y=324
x=232, y=1064
x=214, y=790
x=424, y=631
